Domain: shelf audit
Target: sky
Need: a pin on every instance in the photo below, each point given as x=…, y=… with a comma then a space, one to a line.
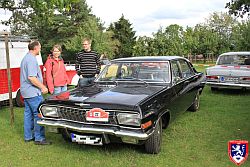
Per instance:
x=147, y=16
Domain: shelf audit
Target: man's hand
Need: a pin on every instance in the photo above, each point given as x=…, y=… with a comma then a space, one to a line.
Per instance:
x=38, y=84
x=44, y=90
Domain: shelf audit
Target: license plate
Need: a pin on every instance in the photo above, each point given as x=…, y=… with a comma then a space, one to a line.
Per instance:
x=231, y=79
x=86, y=139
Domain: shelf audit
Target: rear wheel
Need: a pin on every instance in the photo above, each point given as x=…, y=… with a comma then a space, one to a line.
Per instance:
x=196, y=104
x=153, y=143
x=19, y=99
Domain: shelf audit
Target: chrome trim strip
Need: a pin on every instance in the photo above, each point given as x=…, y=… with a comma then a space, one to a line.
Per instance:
x=228, y=84
x=82, y=104
x=97, y=130
x=86, y=109
x=89, y=123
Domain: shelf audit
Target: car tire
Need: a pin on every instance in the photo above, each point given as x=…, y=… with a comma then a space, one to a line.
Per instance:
x=196, y=104
x=19, y=99
x=153, y=143
x=214, y=89
x=65, y=135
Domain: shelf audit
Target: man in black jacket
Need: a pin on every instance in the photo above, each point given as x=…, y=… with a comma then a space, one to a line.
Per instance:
x=88, y=64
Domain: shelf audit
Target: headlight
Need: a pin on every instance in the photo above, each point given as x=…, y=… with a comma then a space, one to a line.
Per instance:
x=49, y=111
x=129, y=119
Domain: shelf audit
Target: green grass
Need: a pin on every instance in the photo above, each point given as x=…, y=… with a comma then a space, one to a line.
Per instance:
x=200, y=68
x=194, y=139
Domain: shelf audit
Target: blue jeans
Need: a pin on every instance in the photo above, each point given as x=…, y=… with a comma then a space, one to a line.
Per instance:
x=31, y=128
x=85, y=81
x=59, y=89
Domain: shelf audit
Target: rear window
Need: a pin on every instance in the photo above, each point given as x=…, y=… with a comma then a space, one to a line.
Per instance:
x=234, y=60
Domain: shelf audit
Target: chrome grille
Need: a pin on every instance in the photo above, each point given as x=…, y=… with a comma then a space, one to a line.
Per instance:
x=78, y=114
x=74, y=114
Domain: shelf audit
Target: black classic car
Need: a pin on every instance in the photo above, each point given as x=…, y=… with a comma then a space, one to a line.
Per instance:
x=131, y=101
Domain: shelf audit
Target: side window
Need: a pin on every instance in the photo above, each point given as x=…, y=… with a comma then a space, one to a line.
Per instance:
x=176, y=73
x=187, y=71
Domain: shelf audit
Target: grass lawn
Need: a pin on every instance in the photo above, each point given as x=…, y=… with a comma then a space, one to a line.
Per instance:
x=194, y=139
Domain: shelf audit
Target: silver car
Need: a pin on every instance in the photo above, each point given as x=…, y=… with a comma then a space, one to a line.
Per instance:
x=232, y=70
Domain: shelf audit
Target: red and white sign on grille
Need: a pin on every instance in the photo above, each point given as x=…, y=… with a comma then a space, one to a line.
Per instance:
x=97, y=114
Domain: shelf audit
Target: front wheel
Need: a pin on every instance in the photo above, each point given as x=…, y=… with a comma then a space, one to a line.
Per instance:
x=153, y=143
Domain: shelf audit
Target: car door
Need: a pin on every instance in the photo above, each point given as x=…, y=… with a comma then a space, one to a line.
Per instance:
x=176, y=105
x=184, y=85
x=189, y=81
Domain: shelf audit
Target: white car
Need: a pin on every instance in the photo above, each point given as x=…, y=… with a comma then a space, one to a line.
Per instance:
x=232, y=70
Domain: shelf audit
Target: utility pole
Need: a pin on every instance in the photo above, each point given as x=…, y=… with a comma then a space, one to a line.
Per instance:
x=6, y=37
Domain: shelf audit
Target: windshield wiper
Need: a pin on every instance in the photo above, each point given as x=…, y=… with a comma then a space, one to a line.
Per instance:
x=133, y=79
x=112, y=81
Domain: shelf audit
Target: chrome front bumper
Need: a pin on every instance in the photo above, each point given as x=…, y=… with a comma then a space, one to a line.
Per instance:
x=118, y=132
x=227, y=85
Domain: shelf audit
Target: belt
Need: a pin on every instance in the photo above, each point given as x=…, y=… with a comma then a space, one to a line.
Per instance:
x=88, y=76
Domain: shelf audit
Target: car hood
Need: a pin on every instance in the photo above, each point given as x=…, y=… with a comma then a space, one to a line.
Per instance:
x=116, y=95
x=228, y=70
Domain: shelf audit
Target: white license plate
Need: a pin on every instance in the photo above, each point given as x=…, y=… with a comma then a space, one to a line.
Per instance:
x=86, y=139
x=231, y=79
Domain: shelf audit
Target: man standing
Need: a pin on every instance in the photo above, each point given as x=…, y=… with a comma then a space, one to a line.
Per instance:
x=87, y=64
x=32, y=89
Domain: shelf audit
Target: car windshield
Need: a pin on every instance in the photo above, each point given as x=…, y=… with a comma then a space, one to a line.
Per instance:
x=136, y=72
x=234, y=60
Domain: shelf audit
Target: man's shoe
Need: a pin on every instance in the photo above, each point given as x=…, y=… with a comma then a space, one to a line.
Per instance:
x=26, y=141
x=43, y=142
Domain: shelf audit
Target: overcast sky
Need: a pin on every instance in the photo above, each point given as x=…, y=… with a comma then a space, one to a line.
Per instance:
x=146, y=16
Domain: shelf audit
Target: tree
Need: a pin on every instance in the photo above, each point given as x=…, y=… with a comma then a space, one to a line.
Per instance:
x=160, y=43
x=206, y=40
x=174, y=36
x=169, y=41
x=142, y=46
x=221, y=25
x=238, y=7
x=241, y=36
x=62, y=22
x=123, y=32
x=190, y=41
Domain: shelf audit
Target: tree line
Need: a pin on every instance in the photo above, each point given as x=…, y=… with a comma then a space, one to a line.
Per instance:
x=66, y=22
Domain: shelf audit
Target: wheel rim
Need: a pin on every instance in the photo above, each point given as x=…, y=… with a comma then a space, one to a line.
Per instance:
x=197, y=100
x=159, y=132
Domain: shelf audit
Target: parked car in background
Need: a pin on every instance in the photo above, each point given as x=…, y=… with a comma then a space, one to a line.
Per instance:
x=232, y=70
x=131, y=101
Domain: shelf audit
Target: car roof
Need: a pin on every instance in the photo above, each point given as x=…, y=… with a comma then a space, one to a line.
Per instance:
x=235, y=53
x=149, y=58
